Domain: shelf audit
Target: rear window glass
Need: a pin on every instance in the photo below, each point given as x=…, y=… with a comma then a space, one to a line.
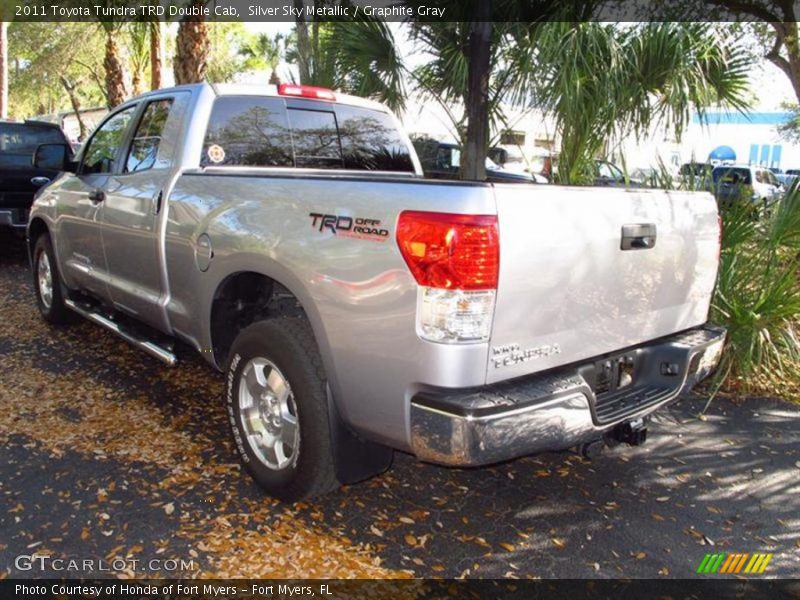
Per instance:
x=733, y=176
x=263, y=132
x=18, y=141
x=315, y=137
x=371, y=141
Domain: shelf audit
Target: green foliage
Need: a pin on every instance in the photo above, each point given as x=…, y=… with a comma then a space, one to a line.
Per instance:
x=444, y=79
x=41, y=53
x=137, y=40
x=227, y=58
x=355, y=57
x=264, y=52
x=757, y=296
x=602, y=81
x=790, y=131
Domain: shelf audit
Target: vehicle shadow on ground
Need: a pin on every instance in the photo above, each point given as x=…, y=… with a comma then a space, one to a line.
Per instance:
x=728, y=483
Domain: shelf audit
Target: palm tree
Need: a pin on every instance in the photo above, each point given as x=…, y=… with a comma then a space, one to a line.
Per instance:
x=138, y=44
x=263, y=51
x=115, y=74
x=356, y=57
x=191, y=48
x=602, y=81
x=156, y=55
x=3, y=69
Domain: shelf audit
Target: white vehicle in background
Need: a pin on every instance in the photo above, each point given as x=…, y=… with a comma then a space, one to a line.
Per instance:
x=755, y=184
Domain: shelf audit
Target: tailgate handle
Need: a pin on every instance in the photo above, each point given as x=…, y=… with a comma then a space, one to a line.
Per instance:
x=638, y=236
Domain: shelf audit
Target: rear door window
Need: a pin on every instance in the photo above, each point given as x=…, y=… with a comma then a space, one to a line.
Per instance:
x=263, y=132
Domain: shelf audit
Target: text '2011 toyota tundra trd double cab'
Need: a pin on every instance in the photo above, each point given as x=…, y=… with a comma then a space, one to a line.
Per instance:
x=356, y=307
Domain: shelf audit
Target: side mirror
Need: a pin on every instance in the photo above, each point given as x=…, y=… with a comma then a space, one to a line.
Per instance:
x=53, y=157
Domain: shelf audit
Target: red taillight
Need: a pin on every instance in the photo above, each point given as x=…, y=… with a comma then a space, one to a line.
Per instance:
x=306, y=91
x=448, y=251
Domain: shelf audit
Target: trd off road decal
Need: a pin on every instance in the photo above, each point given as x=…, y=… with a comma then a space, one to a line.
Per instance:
x=351, y=227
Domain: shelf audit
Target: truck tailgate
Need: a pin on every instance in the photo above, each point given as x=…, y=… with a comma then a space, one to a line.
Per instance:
x=568, y=291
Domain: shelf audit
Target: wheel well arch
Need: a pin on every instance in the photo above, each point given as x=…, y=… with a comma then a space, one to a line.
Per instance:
x=36, y=228
x=242, y=298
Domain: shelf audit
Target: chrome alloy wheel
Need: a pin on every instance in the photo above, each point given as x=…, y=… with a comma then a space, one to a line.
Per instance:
x=44, y=275
x=269, y=414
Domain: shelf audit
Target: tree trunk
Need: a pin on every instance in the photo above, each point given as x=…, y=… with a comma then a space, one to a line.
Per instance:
x=303, y=44
x=191, y=48
x=786, y=38
x=115, y=78
x=3, y=70
x=155, y=55
x=473, y=158
x=76, y=106
x=136, y=83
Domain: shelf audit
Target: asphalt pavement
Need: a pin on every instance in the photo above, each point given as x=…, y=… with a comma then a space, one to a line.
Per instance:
x=108, y=456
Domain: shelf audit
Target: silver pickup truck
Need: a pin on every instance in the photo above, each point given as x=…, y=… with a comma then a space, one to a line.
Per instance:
x=288, y=235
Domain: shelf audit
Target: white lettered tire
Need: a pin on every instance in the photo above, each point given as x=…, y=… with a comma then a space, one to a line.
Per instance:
x=276, y=399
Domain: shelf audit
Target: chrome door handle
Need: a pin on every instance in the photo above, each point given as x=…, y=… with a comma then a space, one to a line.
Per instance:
x=638, y=236
x=40, y=181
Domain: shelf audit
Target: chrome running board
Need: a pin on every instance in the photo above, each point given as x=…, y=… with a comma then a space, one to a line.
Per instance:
x=152, y=349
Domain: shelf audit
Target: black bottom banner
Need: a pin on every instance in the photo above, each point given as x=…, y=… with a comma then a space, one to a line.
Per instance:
x=633, y=589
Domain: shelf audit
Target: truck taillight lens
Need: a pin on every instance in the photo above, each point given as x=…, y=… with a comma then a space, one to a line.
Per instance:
x=449, y=252
x=455, y=259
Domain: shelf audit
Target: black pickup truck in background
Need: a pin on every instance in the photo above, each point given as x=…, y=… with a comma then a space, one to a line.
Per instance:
x=19, y=180
x=442, y=160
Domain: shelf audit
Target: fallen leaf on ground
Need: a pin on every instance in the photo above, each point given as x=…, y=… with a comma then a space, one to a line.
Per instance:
x=507, y=546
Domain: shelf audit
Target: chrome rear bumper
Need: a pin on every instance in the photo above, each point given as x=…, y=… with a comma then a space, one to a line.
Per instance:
x=557, y=410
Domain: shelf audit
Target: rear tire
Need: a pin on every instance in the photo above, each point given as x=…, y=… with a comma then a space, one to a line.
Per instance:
x=47, y=283
x=276, y=397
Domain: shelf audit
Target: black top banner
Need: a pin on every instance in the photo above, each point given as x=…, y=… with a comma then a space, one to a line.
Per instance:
x=398, y=10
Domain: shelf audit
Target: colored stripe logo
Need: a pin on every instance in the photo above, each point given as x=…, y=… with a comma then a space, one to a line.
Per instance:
x=729, y=563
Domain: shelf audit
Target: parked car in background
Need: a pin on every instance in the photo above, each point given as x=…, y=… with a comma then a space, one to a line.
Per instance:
x=605, y=174
x=608, y=174
x=695, y=176
x=19, y=179
x=512, y=160
x=737, y=183
x=785, y=177
x=648, y=176
x=441, y=160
